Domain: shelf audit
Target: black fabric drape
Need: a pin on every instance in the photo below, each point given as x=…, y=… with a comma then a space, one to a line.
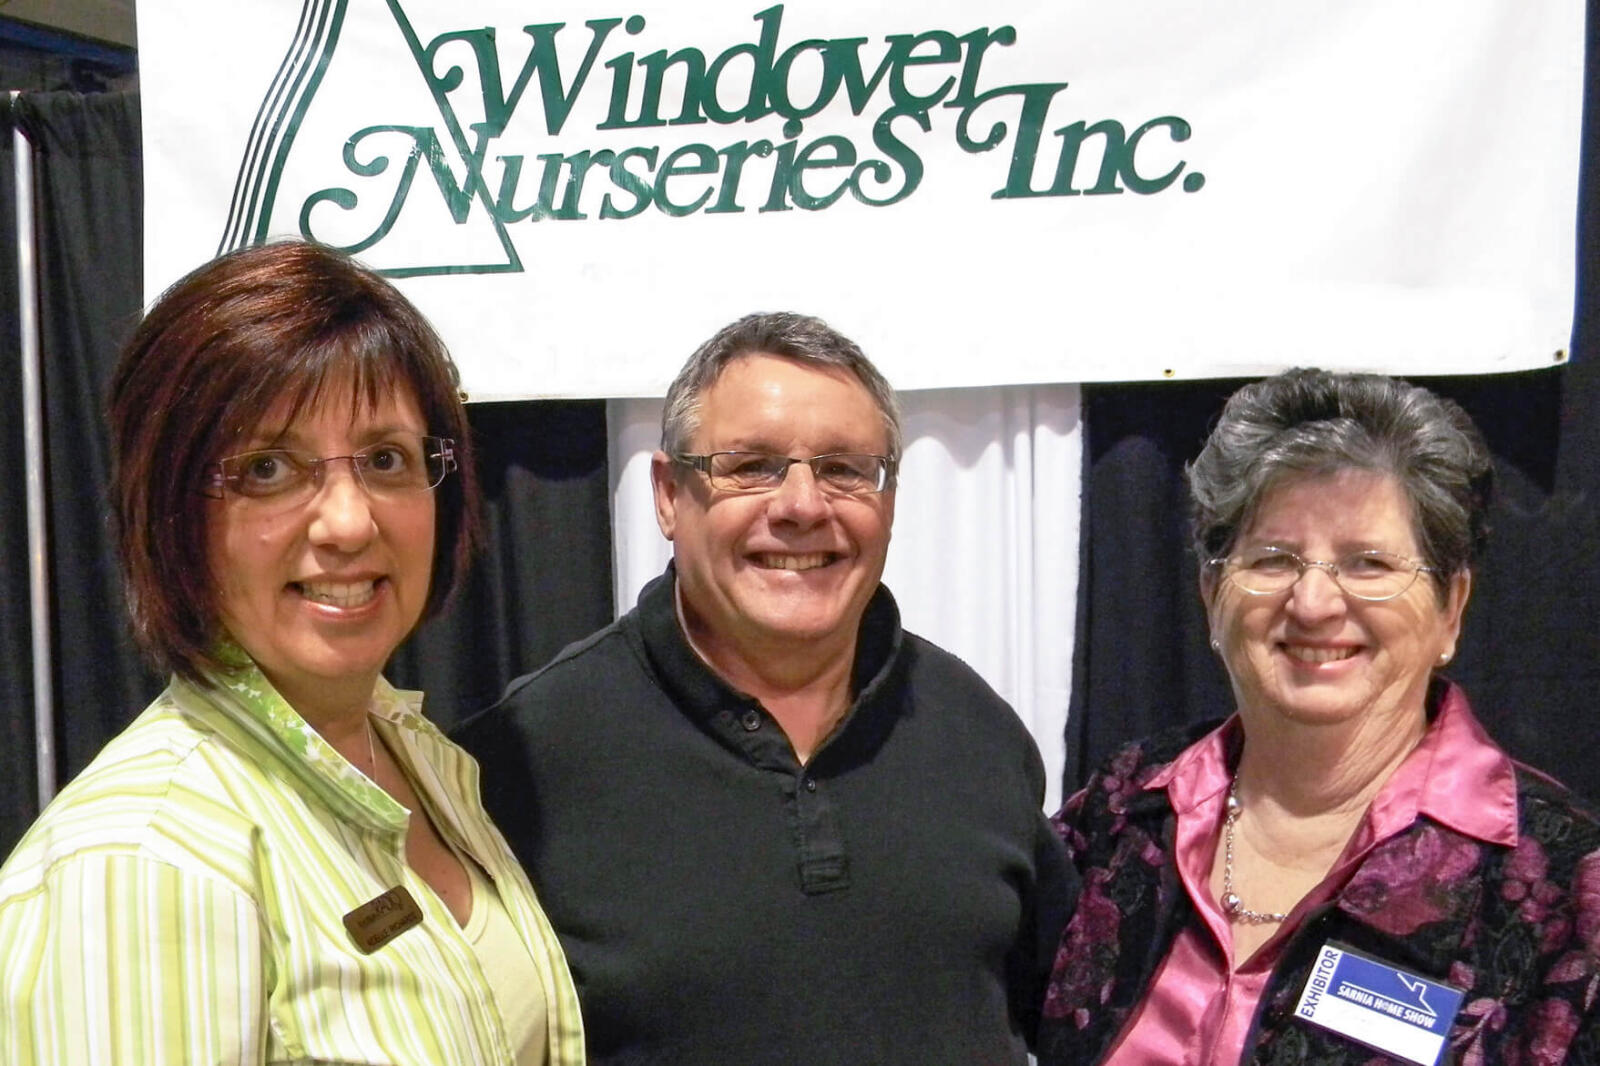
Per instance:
x=17, y=776
x=545, y=578
x=85, y=156
x=1530, y=652
x=88, y=188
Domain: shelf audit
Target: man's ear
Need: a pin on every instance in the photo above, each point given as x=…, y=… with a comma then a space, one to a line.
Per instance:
x=665, y=486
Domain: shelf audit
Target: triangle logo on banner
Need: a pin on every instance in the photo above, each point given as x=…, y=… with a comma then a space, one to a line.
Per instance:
x=367, y=141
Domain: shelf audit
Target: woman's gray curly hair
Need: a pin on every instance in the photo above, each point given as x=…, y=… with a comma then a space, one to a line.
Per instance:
x=1308, y=423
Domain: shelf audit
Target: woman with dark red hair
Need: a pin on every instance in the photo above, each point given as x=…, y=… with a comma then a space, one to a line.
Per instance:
x=281, y=860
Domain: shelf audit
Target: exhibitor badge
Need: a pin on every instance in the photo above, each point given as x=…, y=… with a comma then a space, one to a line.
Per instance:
x=1379, y=1005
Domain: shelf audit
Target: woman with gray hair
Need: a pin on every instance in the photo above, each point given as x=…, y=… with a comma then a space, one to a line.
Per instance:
x=1347, y=869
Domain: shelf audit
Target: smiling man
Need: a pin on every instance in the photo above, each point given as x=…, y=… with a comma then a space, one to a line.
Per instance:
x=769, y=825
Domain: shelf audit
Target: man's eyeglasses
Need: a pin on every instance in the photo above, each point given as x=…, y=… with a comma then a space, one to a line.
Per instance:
x=1367, y=575
x=838, y=474
x=402, y=463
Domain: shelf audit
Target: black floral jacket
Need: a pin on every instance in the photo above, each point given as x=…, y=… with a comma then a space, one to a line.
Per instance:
x=1518, y=928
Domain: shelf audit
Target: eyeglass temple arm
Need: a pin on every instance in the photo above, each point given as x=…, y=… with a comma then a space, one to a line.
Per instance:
x=447, y=452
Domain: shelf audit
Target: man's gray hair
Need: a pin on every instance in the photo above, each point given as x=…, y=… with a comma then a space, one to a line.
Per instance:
x=1307, y=423
x=780, y=333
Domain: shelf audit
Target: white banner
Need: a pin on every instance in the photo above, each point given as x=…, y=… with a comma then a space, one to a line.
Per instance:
x=1015, y=192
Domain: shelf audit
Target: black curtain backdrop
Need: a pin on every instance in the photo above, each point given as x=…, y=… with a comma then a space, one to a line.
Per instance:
x=88, y=188
x=86, y=178
x=17, y=777
x=1530, y=654
x=544, y=580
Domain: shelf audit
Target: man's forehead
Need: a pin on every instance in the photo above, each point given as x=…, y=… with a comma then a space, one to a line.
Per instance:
x=770, y=364
x=762, y=399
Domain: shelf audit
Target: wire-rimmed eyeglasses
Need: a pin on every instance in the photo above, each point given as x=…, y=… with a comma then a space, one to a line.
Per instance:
x=838, y=473
x=1367, y=575
x=401, y=463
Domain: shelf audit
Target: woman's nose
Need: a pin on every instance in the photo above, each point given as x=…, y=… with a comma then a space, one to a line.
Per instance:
x=342, y=510
x=1316, y=592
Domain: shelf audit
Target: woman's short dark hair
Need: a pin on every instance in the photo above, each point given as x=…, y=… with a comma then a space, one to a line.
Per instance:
x=782, y=333
x=1314, y=422
x=288, y=321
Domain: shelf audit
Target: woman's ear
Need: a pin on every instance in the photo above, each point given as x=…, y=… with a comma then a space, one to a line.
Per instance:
x=1209, y=583
x=1455, y=606
x=1208, y=586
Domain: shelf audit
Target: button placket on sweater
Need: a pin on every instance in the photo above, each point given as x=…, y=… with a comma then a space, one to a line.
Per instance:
x=824, y=863
x=820, y=857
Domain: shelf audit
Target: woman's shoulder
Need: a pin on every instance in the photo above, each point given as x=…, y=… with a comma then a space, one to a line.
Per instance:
x=1530, y=964
x=1117, y=800
x=1548, y=793
x=1558, y=819
x=160, y=790
x=1159, y=749
x=1136, y=762
x=136, y=767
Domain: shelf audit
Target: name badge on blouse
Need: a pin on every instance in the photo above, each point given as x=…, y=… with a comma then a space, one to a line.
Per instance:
x=381, y=919
x=1379, y=1005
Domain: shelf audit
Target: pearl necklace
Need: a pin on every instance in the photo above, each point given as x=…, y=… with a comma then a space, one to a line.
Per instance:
x=1232, y=905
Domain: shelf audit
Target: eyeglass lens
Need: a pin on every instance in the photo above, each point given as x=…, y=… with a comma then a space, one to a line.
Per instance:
x=844, y=473
x=1368, y=575
x=398, y=465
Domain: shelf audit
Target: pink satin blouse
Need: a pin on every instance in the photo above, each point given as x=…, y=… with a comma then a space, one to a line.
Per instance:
x=1198, y=1009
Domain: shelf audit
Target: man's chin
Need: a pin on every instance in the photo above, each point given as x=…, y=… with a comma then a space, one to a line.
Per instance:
x=792, y=622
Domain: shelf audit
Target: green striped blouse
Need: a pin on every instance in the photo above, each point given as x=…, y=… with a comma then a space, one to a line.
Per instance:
x=182, y=901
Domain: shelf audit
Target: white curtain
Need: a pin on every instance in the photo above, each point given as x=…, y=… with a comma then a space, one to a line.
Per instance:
x=984, y=560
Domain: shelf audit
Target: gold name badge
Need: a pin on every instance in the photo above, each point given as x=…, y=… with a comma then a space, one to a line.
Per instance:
x=380, y=920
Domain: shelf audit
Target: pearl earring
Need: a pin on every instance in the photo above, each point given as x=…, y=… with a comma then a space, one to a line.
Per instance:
x=1216, y=645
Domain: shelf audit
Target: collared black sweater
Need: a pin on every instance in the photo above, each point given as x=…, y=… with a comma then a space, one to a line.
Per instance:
x=895, y=900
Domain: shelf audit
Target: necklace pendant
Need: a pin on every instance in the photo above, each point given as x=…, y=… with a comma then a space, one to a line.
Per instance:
x=1231, y=904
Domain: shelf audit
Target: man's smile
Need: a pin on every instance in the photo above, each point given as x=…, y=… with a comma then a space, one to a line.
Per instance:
x=807, y=561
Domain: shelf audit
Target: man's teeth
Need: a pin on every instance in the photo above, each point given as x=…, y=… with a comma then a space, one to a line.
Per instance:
x=339, y=593
x=795, y=562
x=1319, y=655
